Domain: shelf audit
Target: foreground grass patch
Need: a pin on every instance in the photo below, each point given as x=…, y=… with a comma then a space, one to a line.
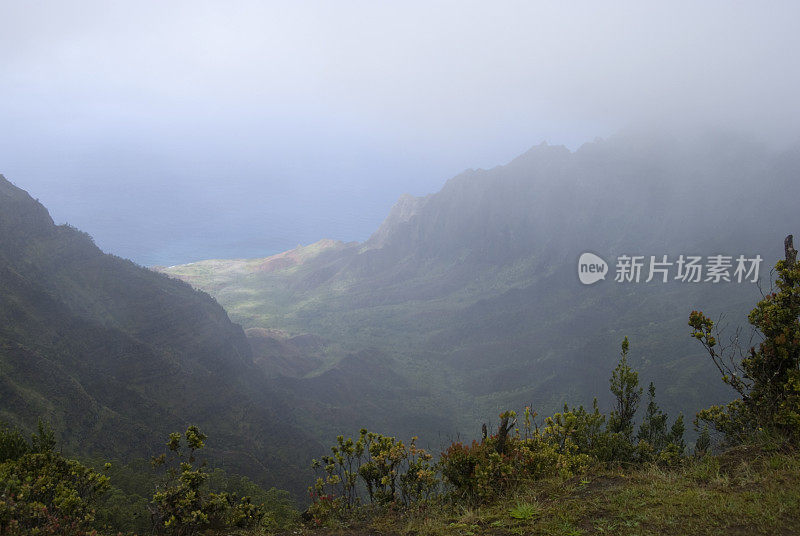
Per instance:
x=751, y=493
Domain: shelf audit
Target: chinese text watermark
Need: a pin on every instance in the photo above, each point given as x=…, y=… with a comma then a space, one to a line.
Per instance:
x=684, y=268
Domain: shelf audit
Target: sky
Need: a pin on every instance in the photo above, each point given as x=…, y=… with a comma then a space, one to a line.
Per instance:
x=176, y=131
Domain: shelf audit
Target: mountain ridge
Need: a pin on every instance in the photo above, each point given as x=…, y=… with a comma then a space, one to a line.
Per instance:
x=470, y=293
x=117, y=356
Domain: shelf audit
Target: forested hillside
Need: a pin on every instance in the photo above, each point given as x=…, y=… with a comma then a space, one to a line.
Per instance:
x=116, y=356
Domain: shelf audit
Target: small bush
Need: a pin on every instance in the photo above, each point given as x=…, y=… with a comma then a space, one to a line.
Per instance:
x=568, y=443
x=41, y=492
x=379, y=468
x=766, y=377
x=182, y=504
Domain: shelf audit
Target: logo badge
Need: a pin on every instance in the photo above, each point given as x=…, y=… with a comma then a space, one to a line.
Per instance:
x=591, y=268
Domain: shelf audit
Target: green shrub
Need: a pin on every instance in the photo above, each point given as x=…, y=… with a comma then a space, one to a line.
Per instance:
x=767, y=377
x=567, y=444
x=702, y=445
x=458, y=465
x=577, y=430
x=277, y=506
x=41, y=492
x=182, y=504
x=655, y=442
x=380, y=468
x=13, y=444
x=480, y=472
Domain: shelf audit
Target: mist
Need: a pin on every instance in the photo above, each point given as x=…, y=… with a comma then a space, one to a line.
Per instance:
x=192, y=130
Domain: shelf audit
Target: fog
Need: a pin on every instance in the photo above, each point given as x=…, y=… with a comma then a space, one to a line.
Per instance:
x=177, y=131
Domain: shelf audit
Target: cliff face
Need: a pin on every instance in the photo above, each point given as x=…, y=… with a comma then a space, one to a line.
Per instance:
x=118, y=356
x=403, y=211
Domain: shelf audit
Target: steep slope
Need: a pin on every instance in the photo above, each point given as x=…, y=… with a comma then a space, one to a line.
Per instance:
x=471, y=294
x=117, y=356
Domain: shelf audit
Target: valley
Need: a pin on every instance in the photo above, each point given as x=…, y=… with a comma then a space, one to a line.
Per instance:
x=469, y=300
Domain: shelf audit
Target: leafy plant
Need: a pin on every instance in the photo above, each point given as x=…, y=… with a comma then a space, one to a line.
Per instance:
x=182, y=504
x=569, y=443
x=381, y=468
x=766, y=377
x=656, y=443
x=703, y=443
x=524, y=511
x=625, y=387
x=41, y=492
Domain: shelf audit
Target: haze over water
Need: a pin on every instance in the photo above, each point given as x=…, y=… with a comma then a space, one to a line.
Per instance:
x=191, y=130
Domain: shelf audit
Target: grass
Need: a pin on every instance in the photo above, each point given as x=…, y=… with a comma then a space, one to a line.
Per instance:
x=742, y=492
x=524, y=511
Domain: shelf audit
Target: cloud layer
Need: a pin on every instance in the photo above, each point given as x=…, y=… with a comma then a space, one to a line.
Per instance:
x=307, y=119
